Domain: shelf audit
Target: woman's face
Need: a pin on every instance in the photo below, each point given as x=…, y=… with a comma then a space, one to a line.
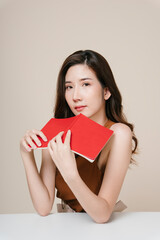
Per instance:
x=84, y=93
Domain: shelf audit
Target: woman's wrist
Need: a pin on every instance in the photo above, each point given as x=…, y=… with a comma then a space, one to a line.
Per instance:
x=71, y=176
x=25, y=152
x=26, y=156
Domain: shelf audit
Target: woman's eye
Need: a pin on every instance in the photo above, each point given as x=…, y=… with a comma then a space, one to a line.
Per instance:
x=68, y=87
x=86, y=84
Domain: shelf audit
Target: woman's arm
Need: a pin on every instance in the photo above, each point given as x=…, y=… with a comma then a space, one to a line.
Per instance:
x=41, y=185
x=100, y=207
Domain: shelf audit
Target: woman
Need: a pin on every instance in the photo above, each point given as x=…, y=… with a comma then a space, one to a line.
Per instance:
x=85, y=85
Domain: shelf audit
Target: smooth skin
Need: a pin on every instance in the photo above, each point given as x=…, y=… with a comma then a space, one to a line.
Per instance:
x=82, y=89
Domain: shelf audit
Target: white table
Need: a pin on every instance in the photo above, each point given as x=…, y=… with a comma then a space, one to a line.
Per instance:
x=68, y=226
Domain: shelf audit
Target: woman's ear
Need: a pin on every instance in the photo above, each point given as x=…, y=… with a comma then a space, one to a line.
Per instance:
x=107, y=94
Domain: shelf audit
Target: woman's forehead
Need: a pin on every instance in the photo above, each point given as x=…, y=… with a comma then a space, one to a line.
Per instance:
x=79, y=72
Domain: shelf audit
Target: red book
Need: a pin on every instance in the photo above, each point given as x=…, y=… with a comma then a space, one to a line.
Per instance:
x=87, y=137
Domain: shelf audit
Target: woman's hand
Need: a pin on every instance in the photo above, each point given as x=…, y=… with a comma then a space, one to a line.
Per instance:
x=62, y=155
x=28, y=138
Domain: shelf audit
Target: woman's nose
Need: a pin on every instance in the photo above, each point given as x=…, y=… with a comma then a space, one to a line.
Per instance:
x=76, y=94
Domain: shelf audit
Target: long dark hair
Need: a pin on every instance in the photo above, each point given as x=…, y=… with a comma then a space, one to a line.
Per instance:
x=95, y=61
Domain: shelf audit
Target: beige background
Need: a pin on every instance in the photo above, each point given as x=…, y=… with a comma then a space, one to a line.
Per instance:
x=35, y=37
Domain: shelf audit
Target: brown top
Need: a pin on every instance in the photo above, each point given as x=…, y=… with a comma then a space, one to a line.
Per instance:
x=90, y=174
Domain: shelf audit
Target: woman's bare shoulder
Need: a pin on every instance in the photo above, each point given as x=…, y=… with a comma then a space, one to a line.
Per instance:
x=122, y=133
x=121, y=129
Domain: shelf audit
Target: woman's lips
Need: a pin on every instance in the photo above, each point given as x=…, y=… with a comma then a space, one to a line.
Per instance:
x=79, y=108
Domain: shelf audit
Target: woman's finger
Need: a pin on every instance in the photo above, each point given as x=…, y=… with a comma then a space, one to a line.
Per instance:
x=58, y=138
x=36, y=139
x=68, y=137
x=40, y=133
x=30, y=142
x=25, y=145
x=52, y=144
x=50, y=148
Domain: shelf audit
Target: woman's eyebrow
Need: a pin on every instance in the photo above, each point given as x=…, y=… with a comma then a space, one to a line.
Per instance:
x=82, y=79
x=68, y=82
x=86, y=78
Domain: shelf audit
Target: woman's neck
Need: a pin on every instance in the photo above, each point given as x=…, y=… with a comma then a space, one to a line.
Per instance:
x=100, y=120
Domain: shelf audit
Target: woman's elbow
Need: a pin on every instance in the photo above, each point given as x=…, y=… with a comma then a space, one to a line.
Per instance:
x=101, y=220
x=43, y=212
